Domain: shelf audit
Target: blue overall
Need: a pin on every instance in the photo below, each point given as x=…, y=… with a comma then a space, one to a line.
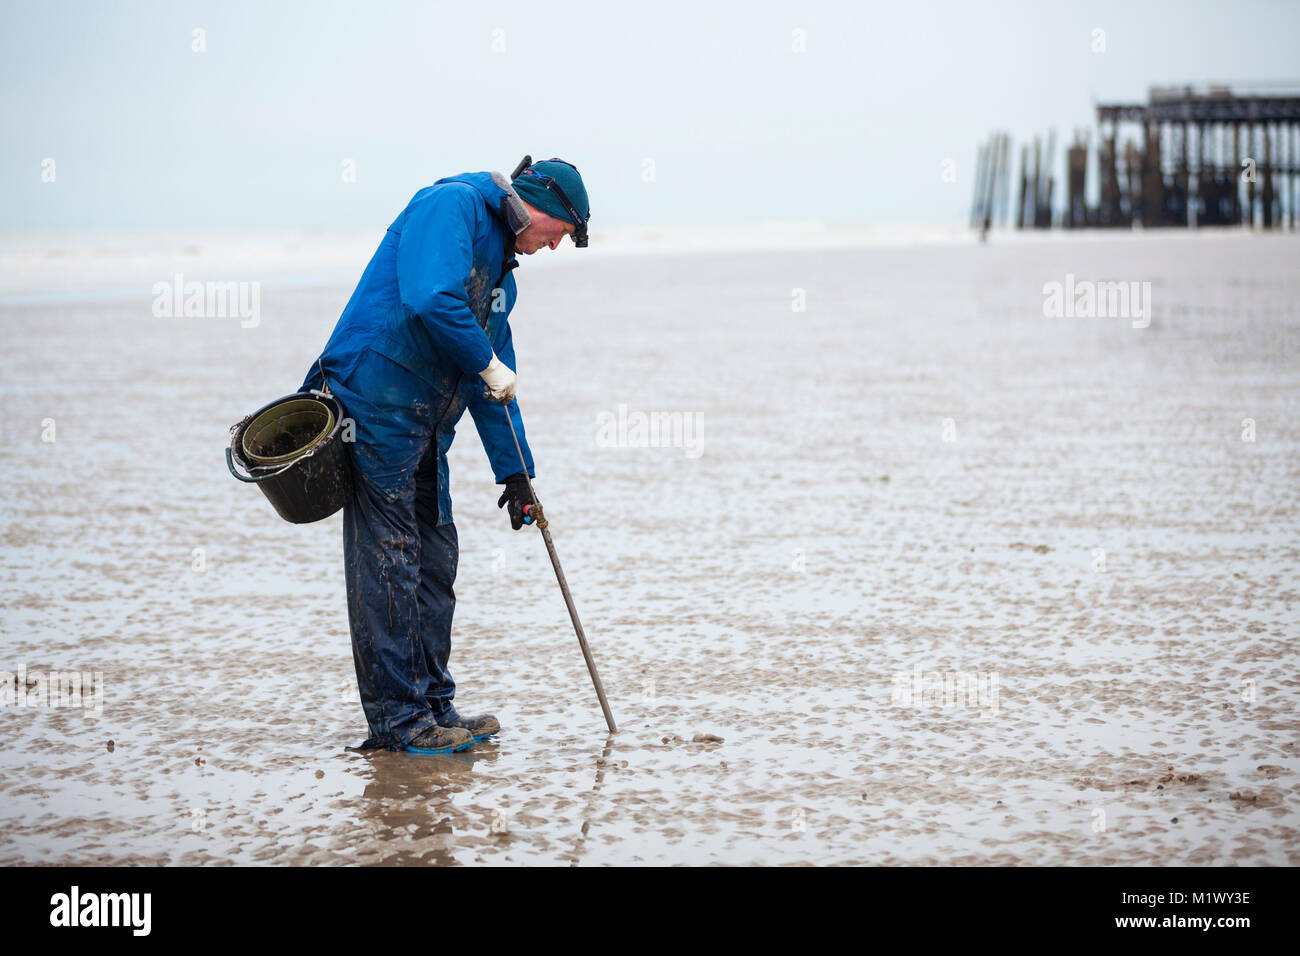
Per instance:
x=425, y=319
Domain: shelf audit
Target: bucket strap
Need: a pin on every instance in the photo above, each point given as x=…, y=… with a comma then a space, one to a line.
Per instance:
x=325, y=386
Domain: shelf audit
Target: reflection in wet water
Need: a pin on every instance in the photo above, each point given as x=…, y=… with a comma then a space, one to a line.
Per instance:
x=600, y=763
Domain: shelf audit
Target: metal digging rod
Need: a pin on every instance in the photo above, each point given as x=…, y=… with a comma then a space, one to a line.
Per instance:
x=534, y=511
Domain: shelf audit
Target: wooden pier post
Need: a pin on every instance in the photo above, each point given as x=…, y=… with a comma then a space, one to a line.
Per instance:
x=1004, y=178
x=990, y=185
x=1024, y=183
x=1076, y=162
x=1253, y=155
x=1152, y=183
x=1133, y=173
x=1268, y=178
x=1295, y=170
x=979, y=187
x=1047, y=184
x=1234, y=170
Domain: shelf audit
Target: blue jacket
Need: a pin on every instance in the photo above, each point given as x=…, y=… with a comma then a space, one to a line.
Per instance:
x=426, y=301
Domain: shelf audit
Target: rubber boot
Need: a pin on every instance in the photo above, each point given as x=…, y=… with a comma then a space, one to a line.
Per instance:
x=481, y=727
x=440, y=740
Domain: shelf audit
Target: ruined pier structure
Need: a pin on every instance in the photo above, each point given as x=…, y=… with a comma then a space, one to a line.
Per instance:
x=1192, y=157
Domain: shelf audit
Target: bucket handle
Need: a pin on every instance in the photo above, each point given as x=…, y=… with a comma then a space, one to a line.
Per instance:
x=230, y=463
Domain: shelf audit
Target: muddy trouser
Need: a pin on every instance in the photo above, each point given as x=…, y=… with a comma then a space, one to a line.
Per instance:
x=399, y=564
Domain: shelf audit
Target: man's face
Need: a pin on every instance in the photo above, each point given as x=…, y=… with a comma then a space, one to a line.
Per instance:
x=544, y=232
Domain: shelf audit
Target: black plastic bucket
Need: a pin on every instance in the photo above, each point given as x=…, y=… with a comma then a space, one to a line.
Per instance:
x=292, y=448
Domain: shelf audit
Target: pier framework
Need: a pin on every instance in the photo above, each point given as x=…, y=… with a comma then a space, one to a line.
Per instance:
x=1190, y=156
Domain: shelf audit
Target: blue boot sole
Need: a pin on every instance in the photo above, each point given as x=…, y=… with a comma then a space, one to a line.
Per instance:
x=444, y=750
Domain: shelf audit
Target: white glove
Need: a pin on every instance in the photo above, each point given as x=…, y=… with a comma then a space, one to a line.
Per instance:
x=500, y=381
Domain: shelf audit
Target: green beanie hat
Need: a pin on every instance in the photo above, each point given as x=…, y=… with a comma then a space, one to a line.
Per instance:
x=531, y=187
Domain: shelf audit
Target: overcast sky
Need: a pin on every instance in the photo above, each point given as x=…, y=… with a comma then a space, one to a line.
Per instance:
x=255, y=129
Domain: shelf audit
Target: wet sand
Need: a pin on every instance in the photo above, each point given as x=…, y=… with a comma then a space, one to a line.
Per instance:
x=827, y=539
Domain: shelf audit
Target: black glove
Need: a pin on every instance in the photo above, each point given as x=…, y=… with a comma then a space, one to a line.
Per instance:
x=516, y=495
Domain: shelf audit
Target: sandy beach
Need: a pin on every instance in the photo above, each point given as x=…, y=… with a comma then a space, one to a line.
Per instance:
x=926, y=576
